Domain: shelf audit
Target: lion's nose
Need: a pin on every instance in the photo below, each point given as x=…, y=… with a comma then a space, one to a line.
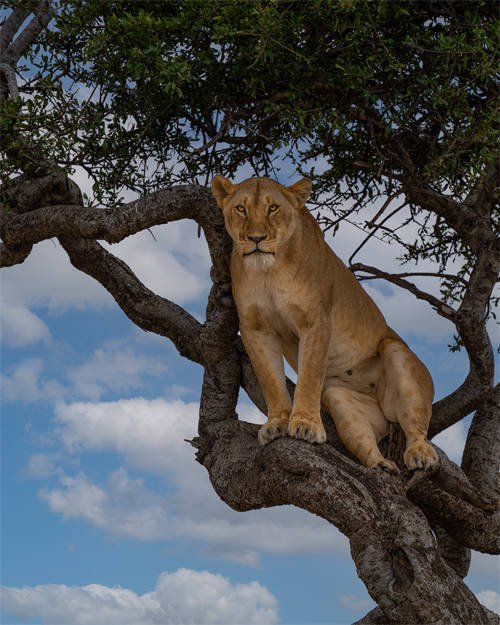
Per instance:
x=257, y=240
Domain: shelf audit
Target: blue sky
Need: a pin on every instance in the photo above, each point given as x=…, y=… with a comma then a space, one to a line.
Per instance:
x=106, y=516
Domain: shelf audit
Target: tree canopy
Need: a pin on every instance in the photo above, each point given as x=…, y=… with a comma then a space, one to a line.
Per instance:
x=391, y=108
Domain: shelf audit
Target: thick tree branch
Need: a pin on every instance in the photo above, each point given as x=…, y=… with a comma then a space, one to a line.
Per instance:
x=472, y=227
x=43, y=14
x=11, y=25
x=109, y=224
x=481, y=457
x=471, y=325
x=394, y=550
x=149, y=311
x=465, y=523
x=479, y=199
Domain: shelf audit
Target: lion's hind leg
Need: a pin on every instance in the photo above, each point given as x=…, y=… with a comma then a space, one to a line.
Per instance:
x=405, y=394
x=360, y=424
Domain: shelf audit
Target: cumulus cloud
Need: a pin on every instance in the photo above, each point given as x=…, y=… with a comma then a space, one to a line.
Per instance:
x=43, y=465
x=185, y=597
x=490, y=599
x=175, y=265
x=116, y=367
x=27, y=284
x=23, y=383
x=149, y=435
x=112, y=367
x=409, y=316
x=20, y=326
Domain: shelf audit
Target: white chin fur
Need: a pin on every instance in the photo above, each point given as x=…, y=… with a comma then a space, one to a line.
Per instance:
x=259, y=261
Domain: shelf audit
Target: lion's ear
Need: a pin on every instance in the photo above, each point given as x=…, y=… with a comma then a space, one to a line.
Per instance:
x=301, y=190
x=221, y=188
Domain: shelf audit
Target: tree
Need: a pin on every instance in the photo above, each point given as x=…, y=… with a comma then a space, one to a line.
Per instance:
x=395, y=102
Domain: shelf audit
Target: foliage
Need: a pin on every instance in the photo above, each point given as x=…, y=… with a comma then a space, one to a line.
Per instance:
x=361, y=96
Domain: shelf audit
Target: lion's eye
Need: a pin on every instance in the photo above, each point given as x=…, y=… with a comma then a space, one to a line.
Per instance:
x=240, y=209
x=273, y=208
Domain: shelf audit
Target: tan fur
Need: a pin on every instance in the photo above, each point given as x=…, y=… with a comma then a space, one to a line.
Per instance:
x=296, y=299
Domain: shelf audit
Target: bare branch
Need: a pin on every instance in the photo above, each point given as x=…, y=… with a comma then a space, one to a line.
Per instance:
x=449, y=477
x=376, y=227
x=468, y=525
x=471, y=324
x=457, y=556
x=418, y=274
x=442, y=309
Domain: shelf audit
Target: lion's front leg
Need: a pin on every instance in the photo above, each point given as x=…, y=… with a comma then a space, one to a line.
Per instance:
x=266, y=356
x=305, y=420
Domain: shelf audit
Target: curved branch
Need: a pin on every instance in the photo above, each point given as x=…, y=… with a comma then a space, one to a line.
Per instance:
x=473, y=227
x=470, y=321
x=481, y=457
x=13, y=256
x=465, y=523
x=109, y=224
x=149, y=311
x=441, y=308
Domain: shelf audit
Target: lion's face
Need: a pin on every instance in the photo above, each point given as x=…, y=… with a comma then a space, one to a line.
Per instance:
x=260, y=214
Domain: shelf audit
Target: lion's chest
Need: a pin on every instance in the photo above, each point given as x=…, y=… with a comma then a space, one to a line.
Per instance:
x=266, y=305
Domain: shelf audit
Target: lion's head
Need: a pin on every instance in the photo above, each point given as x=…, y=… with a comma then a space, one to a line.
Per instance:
x=260, y=214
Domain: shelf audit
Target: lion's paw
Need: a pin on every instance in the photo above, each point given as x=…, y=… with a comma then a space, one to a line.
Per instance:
x=275, y=427
x=420, y=455
x=388, y=466
x=308, y=428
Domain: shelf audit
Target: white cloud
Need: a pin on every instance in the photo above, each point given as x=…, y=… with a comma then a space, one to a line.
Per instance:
x=124, y=506
x=409, y=316
x=452, y=441
x=181, y=279
x=353, y=602
x=490, y=599
x=28, y=284
x=114, y=367
x=23, y=383
x=149, y=435
x=20, y=326
x=42, y=466
x=185, y=597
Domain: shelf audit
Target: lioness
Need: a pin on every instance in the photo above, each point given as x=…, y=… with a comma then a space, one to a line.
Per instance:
x=296, y=298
